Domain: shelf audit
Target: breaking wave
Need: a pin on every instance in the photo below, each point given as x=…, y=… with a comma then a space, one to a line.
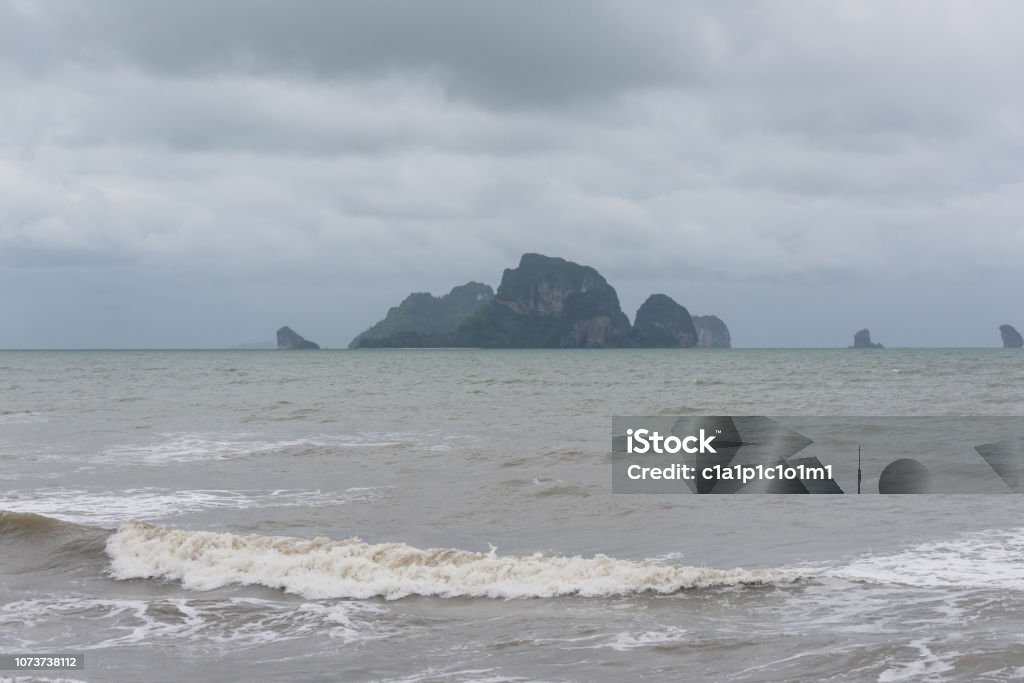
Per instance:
x=321, y=568
x=34, y=542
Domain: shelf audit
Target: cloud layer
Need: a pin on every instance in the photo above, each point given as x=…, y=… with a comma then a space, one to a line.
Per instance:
x=199, y=173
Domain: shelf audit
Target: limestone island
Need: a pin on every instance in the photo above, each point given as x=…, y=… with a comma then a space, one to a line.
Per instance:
x=862, y=340
x=711, y=332
x=1011, y=337
x=425, y=320
x=544, y=302
x=289, y=339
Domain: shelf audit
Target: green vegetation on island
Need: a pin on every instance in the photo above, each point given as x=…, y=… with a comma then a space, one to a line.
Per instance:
x=425, y=320
x=545, y=302
x=661, y=322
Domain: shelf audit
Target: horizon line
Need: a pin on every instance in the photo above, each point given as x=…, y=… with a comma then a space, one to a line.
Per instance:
x=480, y=348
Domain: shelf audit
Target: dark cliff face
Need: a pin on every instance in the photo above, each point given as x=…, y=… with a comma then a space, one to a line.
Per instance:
x=464, y=300
x=287, y=338
x=544, y=302
x=1011, y=337
x=862, y=340
x=548, y=302
x=663, y=323
x=425, y=320
x=712, y=332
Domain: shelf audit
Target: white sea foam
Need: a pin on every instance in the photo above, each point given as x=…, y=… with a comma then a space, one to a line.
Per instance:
x=986, y=559
x=198, y=447
x=627, y=640
x=926, y=665
x=110, y=508
x=623, y=642
x=232, y=623
x=321, y=568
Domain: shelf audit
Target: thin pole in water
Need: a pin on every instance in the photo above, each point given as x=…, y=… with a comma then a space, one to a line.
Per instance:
x=858, y=469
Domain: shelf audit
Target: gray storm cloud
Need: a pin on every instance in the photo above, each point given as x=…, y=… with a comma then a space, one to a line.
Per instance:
x=199, y=173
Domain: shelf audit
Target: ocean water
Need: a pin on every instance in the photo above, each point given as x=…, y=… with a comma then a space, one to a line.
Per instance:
x=447, y=515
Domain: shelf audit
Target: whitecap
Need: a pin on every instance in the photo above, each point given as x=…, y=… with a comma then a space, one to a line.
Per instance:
x=322, y=568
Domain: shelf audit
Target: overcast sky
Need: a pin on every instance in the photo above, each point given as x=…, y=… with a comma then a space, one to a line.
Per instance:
x=199, y=173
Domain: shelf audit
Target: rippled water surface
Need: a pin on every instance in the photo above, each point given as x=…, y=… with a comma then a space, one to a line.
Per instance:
x=447, y=515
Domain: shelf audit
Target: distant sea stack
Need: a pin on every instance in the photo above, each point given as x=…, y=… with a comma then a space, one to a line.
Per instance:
x=711, y=332
x=425, y=320
x=862, y=340
x=548, y=302
x=289, y=339
x=1011, y=337
x=662, y=323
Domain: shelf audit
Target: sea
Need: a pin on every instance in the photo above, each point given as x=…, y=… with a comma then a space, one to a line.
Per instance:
x=448, y=515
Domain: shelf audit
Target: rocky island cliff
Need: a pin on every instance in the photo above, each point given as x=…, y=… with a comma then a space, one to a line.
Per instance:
x=544, y=302
x=289, y=339
x=548, y=302
x=1011, y=337
x=712, y=332
x=425, y=320
x=862, y=340
x=661, y=322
